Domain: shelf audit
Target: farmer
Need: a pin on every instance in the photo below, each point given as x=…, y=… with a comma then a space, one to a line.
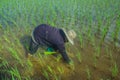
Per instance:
x=45, y=35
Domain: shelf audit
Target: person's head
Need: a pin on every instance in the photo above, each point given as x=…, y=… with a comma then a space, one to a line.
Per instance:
x=71, y=35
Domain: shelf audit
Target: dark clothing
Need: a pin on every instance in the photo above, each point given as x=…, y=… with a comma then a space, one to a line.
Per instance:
x=49, y=36
x=33, y=47
x=63, y=35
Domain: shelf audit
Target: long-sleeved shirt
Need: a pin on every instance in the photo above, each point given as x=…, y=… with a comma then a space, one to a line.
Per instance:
x=45, y=34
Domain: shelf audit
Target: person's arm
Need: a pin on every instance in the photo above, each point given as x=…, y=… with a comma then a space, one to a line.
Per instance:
x=63, y=52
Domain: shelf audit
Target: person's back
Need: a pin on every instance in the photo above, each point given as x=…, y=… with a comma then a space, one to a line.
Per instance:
x=47, y=33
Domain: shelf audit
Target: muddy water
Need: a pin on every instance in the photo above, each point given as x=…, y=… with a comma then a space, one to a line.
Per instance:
x=90, y=67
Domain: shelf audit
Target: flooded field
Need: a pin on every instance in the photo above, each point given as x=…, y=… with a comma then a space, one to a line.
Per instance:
x=91, y=62
x=87, y=66
x=95, y=54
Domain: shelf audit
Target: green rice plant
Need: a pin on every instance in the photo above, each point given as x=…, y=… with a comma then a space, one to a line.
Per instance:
x=50, y=70
x=104, y=33
x=3, y=62
x=42, y=61
x=27, y=78
x=15, y=74
x=88, y=73
x=58, y=58
x=15, y=55
x=78, y=55
x=114, y=70
x=115, y=33
x=57, y=77
x=4, y=67
x=89, y=31
x=0, y=26
x=92, y=39
x=6, y=39
x=60, y=69
x=52, y=74
x=29, y=63
x=81, y=40
x=46, y=74
x=109, y=54
x=99, y=26
x=97, y=51
x=95, y=60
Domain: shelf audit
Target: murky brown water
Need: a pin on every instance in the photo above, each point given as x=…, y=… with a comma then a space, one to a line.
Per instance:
x=99, y=67
x=89, y=67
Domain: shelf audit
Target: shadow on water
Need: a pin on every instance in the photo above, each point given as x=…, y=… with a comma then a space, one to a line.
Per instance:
x=25, y=40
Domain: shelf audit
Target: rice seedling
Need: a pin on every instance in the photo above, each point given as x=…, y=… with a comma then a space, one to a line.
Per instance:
x=46, y=74
x=4, y=67
x=58, y=58
x=57, y=77
x=15, y=74
x=60, y=69
x=114, y=70
x=88, y=73
x=104, y=33
x=29, y=63
x=15, y=55
x=6, y=39
x=81, y=40
x=97, y=51
x=50, y=70
x=3, y=63
x=115, y=34
x=78, y=55
x=49, y=73
x=99, y=24
x=109, y=54
x=95, y=60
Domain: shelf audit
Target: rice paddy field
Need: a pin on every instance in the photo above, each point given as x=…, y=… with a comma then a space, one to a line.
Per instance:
x=96, y=52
